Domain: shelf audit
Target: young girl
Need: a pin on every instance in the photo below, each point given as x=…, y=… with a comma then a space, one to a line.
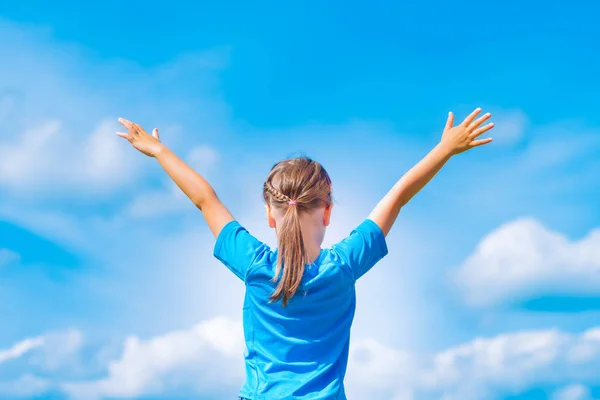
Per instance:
x=300, y=299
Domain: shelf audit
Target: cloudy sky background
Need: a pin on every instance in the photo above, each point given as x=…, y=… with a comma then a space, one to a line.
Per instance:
x=108, y=287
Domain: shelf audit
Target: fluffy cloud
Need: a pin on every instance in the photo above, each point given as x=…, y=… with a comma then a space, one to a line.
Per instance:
x=205, y=359
x=21, y=348
x=482, y=368
x=47, y=159
x=523, y=258
x=49, y=351
x=377, y=371
x=58, y=123
x=46, y=354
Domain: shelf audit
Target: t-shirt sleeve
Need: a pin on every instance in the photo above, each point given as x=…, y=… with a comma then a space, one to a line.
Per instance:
x=364, y=247
x=238, y=249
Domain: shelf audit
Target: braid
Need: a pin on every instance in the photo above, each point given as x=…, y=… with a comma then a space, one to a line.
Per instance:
x=276, y=193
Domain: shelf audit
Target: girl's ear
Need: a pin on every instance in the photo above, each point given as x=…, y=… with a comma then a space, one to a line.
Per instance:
x=327, y=215
x=270, y=218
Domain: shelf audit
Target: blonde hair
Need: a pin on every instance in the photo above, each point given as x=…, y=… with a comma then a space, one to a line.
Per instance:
x=296, y=185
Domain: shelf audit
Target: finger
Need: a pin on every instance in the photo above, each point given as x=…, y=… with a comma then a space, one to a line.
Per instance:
x=481, y=142
x=132, y=127
x=480, y=120
x=482, y=130
x=126, y=123
x=123, y=135
x=449, y=121
x=155, y=133
x=471, y=117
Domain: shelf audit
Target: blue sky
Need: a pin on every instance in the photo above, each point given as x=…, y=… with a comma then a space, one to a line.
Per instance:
x=108, y=287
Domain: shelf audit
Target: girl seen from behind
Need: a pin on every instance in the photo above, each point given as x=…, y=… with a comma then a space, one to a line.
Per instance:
x=300, y=298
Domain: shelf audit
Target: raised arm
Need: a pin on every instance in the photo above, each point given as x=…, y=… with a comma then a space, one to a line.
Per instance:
x=455, y=140
x=188, y=180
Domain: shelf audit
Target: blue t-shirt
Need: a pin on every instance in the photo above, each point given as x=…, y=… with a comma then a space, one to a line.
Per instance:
x=301, y=351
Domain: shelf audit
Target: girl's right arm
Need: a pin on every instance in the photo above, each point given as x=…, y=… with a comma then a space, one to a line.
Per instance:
x=189, y=181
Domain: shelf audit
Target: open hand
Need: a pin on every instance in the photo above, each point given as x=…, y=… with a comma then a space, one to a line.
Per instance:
x=461, y=138
x=149, y=145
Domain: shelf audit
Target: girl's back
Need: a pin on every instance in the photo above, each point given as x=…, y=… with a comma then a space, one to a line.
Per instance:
x=301, y=350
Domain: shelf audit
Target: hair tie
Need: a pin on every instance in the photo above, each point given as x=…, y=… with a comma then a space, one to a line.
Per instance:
x=292, y=203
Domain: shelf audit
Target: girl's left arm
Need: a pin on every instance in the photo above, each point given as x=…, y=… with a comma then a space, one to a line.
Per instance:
x=455, y=140
x=189, y=181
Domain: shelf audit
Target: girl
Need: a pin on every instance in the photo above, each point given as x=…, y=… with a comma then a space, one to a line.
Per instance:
x=300, y=299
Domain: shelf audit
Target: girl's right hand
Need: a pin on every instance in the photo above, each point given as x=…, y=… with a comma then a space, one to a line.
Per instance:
x=460, y=138
x=149, y=145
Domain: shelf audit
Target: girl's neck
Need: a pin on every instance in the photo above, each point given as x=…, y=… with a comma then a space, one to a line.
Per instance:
x=312, y=235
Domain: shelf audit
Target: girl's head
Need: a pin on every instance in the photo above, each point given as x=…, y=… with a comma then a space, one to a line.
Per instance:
x=298, y=199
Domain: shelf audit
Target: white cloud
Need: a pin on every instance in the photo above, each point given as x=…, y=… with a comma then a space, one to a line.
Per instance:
x=206, y=359
x=377, y=371
x=47, y=159
x=482, y=368
x=523, y=258
x=21, y=348
x=58, y=122
x=572, y=392
x=49, y=351
x=512, y=360
x=8, y=257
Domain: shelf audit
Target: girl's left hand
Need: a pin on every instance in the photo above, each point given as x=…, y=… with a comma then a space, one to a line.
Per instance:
x=463, y=137
x=149, y=145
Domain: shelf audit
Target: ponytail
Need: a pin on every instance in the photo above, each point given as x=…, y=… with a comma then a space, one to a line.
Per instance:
x=291, y=257
x=295, y=186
